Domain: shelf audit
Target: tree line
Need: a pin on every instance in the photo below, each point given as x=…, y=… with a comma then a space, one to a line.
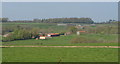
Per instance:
x=65, y=20
x=55, y=20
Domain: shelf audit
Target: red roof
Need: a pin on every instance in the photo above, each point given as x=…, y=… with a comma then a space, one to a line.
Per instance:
x=53, y=34
x=42, y=36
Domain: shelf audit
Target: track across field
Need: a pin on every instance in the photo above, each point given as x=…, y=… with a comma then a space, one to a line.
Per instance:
x=69, y=46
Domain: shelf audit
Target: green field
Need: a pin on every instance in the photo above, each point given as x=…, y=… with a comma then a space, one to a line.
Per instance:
x=52, y=27
x=60, y=55
x=66, y=40
x=34, y=54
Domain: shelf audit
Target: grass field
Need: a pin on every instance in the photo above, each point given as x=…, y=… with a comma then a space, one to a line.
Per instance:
x=65, y=41
x=38, y=54
x=60, y=54
x=52, y=27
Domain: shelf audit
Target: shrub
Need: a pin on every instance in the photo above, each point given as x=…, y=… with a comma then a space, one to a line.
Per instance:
x=34, y=31
x=9, y=38
x=72, y=29
x=18, y=35
x=22, y=34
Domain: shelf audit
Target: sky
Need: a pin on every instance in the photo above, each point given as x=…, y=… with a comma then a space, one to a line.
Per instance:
x=98, y=11
x=59, y=0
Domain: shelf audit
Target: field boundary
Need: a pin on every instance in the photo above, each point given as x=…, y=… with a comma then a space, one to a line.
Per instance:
x=68, y=46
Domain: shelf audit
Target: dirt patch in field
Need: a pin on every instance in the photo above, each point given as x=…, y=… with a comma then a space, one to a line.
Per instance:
x=69, y=46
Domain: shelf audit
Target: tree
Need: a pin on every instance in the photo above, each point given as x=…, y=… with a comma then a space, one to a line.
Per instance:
x=65, y=20
x=4, y=19
x=72, y=29
x=34, y=31
x=21, y=34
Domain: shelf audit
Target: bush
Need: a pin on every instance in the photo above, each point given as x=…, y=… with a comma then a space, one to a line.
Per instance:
x=9, y=38
x=102, y=29
x=72, y=29
x=18, y=35
x=22, y=34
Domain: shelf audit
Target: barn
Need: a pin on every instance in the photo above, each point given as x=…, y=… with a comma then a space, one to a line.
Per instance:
x=53, y=34
x=79, y=32
x=43, y=37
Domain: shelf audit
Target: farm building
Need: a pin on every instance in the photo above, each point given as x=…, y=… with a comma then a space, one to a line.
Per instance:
x=43, y=37
x=62, y=33
x=35, y=36
x=6, y=35
x=79, y=32
x=53, y=34
x=71, y=24
x=93, y=25
x=80, y=27
x=62, y=24
x=68, y=33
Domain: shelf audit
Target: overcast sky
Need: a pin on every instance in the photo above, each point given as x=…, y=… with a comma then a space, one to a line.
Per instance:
x=98, y=11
